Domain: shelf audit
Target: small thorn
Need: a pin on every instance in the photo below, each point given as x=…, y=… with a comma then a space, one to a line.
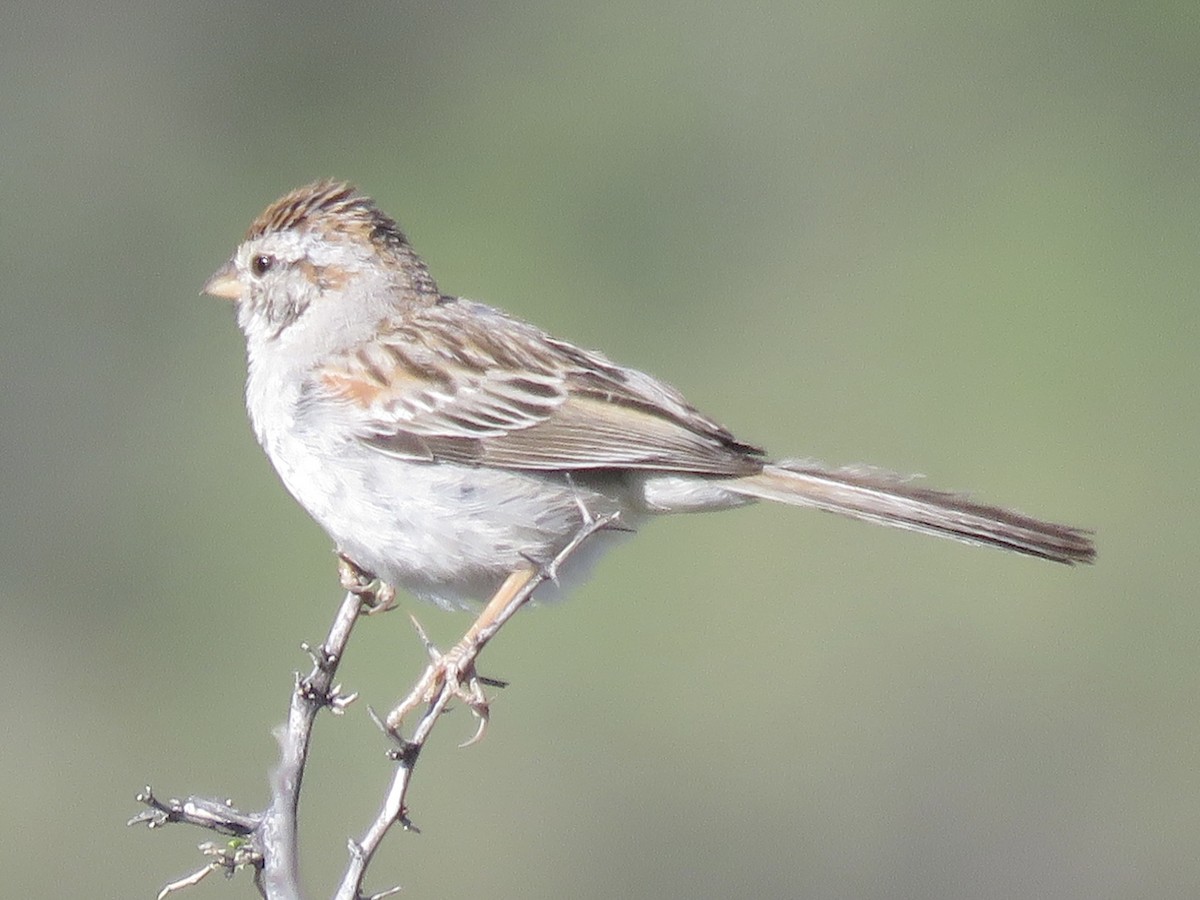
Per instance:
x=321, y=658
x=614, y=523
x=390, y=892
x=408, y=824
x=423, y=635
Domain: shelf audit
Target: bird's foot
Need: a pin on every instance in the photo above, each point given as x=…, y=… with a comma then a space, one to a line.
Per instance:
x=376, y=595
x=449, y=676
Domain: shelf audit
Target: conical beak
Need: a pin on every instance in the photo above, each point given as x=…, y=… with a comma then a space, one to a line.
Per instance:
x=224, y=283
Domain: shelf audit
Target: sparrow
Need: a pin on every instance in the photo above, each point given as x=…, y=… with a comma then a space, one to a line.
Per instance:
x=447, y=447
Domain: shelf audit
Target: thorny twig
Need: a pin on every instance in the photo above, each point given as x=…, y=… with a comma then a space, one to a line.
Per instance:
x=267, y=841
x=393, y=811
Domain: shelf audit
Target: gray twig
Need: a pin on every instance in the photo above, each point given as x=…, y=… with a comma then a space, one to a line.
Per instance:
x=394, y=811
x=267, y=841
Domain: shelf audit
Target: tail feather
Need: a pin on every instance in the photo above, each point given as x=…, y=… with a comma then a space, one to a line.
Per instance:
x=888, y=499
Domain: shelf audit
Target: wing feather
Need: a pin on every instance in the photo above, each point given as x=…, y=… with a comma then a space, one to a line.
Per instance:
x=462, y=382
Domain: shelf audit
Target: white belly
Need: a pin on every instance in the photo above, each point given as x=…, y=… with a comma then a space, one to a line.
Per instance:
x=447, y=532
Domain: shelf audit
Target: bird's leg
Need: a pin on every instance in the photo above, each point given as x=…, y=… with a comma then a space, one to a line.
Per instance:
x=455, y=670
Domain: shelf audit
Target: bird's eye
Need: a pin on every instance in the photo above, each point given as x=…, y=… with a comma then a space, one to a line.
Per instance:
x=261, y=265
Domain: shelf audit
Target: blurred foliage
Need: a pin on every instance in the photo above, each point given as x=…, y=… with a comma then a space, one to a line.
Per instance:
x=959, y=239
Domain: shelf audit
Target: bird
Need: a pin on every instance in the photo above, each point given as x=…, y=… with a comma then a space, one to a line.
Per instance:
x=449, y=448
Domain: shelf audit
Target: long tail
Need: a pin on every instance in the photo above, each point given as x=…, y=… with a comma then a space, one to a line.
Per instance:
x=875, y=496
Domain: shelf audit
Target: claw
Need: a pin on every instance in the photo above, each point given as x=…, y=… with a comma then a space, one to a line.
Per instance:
x=478, y=735
x=377, y=596
x=452, y=675
x=465, y=686
x=445, y=673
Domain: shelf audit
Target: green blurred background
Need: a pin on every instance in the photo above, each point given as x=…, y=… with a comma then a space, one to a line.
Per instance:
x=958, y=239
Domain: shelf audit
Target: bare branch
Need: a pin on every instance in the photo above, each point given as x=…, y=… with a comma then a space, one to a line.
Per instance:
x=267, y=841
x=276, y=838
x=442, y=682
x=271, y=845
x=211, y=814
x=227, y=858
